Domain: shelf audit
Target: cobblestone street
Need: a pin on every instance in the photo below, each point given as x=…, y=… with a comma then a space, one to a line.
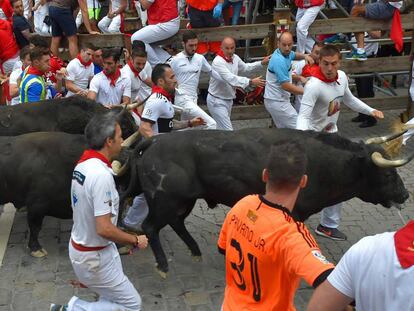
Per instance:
x=28, y=283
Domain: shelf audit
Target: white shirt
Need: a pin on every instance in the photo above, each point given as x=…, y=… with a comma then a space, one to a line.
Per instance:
x=159, y=111
x=187, y=71
x=93, y=193
x=321, y=102
x=371, y=273
x=106, y=94
x=115, y=4
x=139, y=89
x=79, y=74
x=13, y=80
x=228, y=72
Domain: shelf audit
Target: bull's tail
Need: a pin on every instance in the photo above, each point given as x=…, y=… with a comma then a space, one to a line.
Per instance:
x=134, y=186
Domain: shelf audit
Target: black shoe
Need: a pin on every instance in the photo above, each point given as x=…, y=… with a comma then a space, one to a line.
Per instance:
x=368, y=123
x=330, y=233
x=359, y=118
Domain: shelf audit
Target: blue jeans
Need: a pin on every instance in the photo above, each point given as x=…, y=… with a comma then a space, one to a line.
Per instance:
x=237, y=6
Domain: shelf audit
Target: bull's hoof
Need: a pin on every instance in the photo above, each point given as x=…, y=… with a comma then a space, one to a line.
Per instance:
x=40, y=253
x=197, y=258
x=163, y=274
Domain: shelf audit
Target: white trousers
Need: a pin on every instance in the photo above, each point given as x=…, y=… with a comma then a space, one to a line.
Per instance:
x=412, y=90
x=220, y=110
x=282, y=112
x=331, y=216
x=110, y=25
x=154, y=33
x=137, y=212
x=102, y=272
x=407, y=136
x=38, y=17
x=142, y=14
x=8, y=64
x=305, y=18
x=192, y=110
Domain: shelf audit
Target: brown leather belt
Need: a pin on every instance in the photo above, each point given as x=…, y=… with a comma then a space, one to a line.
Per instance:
x=83, y=248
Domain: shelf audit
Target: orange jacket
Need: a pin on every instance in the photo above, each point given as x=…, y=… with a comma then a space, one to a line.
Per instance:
x=205, y=5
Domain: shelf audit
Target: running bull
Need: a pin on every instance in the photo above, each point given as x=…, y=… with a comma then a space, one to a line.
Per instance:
x=174, y=170
x=68, y=115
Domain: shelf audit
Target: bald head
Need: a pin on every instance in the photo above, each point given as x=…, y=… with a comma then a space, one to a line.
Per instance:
x=285, y=43
x=228, y=46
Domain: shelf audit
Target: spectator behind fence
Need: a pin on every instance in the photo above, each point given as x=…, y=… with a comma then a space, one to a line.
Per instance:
x=94, y=9
x=110, y=87
x=111, y=23
x=21, y=26
x=16, y=75
x=97, y=61
x=80, y=71
x=305, y=16
x=381, y=10
x=41, y=18
x=163, y=23
x=377, y=272
x=63, y=24
x=266, y=251
x=236, y=6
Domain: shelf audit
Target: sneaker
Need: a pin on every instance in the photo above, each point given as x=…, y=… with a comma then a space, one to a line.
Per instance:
x=56, y=307
x=330, y=233
x=335, y=39
x=354, y=55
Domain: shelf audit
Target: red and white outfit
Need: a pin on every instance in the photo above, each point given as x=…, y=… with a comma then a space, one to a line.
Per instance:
x=111, y=25
x=94, y=259
x=80, y=73
x=378, y=271
x=308, y=10
x=187, y=71
x=110, y=89
x=9, y=52
x=222, y=92
x=163, y=23
x=319, y=111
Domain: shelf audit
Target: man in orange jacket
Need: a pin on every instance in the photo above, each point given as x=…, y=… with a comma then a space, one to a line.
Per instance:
x=202, y=14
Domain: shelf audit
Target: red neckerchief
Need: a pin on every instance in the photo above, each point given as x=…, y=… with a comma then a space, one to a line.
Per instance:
x=34, y=71
x=113, y=77
x=396, y=33
x=136, y=72
x=87, y=64
x=318, y=74
x=90, y=154
x=221, y=54
x=308, y=70
x=157, y=89
x=404, y=245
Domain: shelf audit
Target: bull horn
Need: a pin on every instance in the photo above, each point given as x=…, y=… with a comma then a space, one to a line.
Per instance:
x=130, y=140
x=383, y=139
x=133, y=106
x=118, y=168
x=380, y=161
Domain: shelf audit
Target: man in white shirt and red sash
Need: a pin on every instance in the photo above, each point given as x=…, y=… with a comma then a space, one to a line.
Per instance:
x=323, y=95
x=221, y=92
x=95, y=204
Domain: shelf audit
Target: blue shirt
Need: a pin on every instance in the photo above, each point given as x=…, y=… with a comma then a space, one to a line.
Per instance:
x=280, y=65
x=96, y=68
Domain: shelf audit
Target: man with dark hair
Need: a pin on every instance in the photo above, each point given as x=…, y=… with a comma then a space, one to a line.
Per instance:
x=95, y=204
x=323, y=95
x=16, y=75
x=279, y=84
x=267, y=252
x=157, y=118
x=97, y=61
x=80, y=71
x=187, y=66
x=33, y=87
x=21, y=26
x=139, y=70
x=110, y=87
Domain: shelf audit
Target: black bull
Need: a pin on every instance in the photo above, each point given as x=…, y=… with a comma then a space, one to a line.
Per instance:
x=68, y=115
x=176, y=169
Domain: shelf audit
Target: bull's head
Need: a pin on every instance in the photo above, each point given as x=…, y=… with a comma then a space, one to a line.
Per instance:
x=383, y=184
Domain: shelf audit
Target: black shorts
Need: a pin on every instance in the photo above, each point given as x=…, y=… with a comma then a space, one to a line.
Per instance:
x=379, y=10
x=63, y=22
x=201, y=19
